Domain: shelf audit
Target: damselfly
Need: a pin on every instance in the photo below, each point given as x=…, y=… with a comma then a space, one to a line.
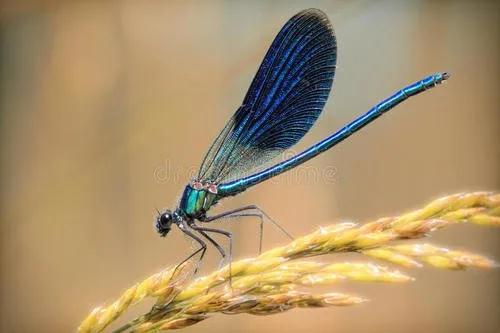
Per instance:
x=285, y=98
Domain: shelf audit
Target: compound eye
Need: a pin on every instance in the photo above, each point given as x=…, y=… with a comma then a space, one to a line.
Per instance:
x=164, y=223
x=165, y=219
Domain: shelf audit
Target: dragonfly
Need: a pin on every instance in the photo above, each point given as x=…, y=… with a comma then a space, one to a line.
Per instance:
x=285, y=98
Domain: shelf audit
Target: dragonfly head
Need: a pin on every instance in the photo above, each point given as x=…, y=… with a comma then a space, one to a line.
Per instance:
x=164, y=222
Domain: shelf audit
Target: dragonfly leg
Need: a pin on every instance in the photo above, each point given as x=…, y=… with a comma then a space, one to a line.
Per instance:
x=203, y=231
x=202, y=249
x=247, y=211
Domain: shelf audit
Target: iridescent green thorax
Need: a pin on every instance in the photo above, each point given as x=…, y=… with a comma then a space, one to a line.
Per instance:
x=197, y=200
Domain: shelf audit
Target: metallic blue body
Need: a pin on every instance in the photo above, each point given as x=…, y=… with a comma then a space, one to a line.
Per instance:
x=286, y=97
x=239, y=185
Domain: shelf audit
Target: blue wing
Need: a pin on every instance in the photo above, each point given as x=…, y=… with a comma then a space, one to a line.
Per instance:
x=284, y=100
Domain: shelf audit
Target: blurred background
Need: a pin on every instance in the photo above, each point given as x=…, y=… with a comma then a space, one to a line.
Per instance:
x=107, y=108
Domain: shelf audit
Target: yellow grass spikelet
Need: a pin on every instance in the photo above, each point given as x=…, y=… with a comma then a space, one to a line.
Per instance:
x=279, y=279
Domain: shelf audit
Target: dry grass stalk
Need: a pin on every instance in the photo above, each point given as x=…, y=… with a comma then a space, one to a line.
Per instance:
x=412, y=255
x=268, y=283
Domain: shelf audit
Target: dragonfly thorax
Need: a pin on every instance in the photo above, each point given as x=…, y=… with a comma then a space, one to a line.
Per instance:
x=197, y=198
